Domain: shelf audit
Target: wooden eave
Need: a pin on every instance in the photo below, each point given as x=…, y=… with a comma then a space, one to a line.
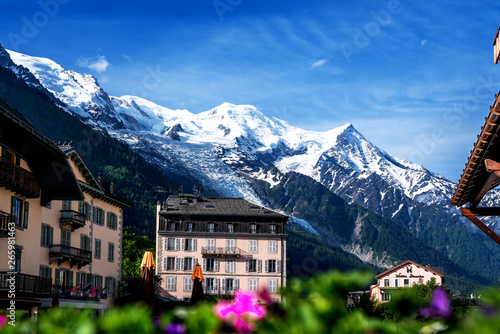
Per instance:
x=480, y=173
x=105, y=197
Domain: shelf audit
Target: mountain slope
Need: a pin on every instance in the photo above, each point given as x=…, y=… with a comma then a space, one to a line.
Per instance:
x=232, y=150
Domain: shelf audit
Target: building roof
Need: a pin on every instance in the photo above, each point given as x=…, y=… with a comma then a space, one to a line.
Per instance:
x=216, y=206
x=478, y=178
x=402, y=265
x=46, y=161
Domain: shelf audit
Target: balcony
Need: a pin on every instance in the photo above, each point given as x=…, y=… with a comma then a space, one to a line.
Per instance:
x=25, y=285
x=5, y=220
x=63, y=291
x=15, y=178
x=76, y=256
x=221, y=251
x=72, y=218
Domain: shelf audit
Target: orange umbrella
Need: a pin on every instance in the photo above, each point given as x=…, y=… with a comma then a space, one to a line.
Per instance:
x=147, y=282
x=197, y=293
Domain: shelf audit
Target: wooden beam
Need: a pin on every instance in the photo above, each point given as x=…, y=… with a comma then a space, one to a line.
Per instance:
x=469, y=215
x=492, y=166
x=495, y=211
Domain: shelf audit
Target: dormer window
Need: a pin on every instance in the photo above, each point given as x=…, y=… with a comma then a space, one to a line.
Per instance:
x=230, y=228
x=211, y=227
x=272, y=229
x=171, y=226
x=253, y=228
x=190, y=227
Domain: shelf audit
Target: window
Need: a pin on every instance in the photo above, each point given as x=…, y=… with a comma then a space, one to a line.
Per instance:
x=211, y=227
x=80, y=278
x=17, y=260
x=170, y=226
x=47, y=235
x=112, y=221
x=98, y=216
x=45, y=271
x=188, y=263
x=230, y=246
x=230, y=266
x=406, y=282
x=271, y=266
x=66, y=205
x=210, y=245
x=386, y=297
x=396, y=282
x=189, y=227
x=189, y=244
x=253, y=284
x=169, y=263
x=253, y=246
x=110, y=286
x=66, y=237
x=97, y=249
x=84, y=208
x=210, y=264
x=253, y=228
x=172, y=244
x=188, y=284
x=272, y=285
x=251, y=265
x=386, y=282
x=272, y=246
x=210, y=285
x=26, y=214
x=230, y=228
x=17, y=205
x=229, y=285
x=111, y=252
x=171, y=283
x=272, y=229
x=85, y=242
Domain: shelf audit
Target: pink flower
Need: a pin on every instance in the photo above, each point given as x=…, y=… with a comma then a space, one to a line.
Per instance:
x=241, y=312
x=3, y=321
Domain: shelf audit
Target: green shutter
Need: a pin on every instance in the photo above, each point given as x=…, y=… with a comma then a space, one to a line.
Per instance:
x=44, y=236
x=51, y=235
x=80, y=207
x=26, y=214
x=71, y=278
x=58, y=277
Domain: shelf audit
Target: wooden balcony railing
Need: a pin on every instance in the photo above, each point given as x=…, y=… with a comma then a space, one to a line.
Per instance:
x=72, y=218
x=25, y=285
x=221, y=251
x=5, y=219
x=76, y=256
x=17, y=178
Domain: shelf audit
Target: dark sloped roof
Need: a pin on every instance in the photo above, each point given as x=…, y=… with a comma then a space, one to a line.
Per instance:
x=216, y=206
x=46, y=161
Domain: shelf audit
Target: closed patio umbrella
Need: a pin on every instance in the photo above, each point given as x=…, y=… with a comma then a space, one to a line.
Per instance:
x=146, y=291
x=197, y=277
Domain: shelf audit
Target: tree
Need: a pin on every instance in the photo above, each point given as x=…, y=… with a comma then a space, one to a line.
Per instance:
x=133, y=250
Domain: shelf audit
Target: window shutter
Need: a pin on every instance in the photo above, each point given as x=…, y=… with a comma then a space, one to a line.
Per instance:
x=58, y=277
x=181, y=260
x=236, y=284
x=278, y=266
x=26, y=213
x=267, y=266
x=108, y=220
x=195, y=262
x=165, y=243
x=204, y=285
x=227, y=266
x=183, y=244
x=164, y=263
x=88, y=211
x=259, y=266
x=102, y=217
x=216, y=285
x=194, y=244
x=216, y=265
x=204, y=264
x=223, y=287
x=94, y=215
x=247, y=265
x=51, y=235
x=176, y=244
x=71, y=278
x=176, y=263
x=80, y=206
x=43, y=241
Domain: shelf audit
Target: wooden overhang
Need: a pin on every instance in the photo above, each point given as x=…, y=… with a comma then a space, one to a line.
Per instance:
x=496, y=47
x=481, y=173
x=46, y=161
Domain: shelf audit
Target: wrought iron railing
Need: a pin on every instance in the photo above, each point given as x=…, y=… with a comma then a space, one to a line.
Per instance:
x=73, y=218
x=70, y=252
x=23, y=284
x=25, y=182
x=5, y=219
x=221, y=251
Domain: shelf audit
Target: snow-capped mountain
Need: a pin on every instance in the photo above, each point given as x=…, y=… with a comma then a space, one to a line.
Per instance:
x=231, y=148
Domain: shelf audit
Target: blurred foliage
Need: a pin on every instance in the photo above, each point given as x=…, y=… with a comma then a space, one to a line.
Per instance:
x=315, y=305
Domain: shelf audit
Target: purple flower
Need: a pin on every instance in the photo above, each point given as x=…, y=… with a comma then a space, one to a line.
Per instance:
x=240, y=311
x=439, y=306
x=174, y=328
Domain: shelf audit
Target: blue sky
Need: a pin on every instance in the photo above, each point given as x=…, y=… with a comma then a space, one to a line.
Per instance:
x=415, y=77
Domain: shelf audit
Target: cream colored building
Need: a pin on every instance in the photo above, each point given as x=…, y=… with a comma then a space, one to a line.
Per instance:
x=404, y=275
x=239, y=245
x=59, y=225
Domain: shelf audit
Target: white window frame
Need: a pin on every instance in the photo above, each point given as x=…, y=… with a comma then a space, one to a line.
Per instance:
x=230, y=266
x=272, y=246
x=253, y=246
x=253, y=284
x=188, y=284
x=272, y=285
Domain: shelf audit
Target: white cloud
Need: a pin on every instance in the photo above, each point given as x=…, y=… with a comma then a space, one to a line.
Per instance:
x=100, y=64
x=318, y=63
